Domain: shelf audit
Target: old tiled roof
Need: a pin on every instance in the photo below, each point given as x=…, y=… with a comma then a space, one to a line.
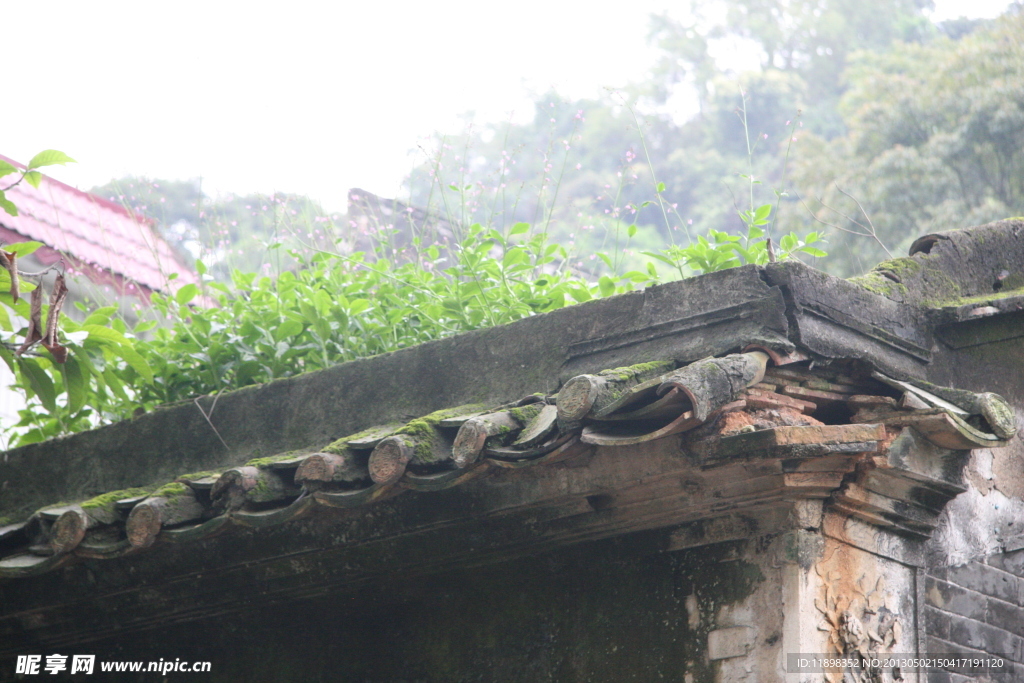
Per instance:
x=682, y=444
x=108, y=242
x=760, y=403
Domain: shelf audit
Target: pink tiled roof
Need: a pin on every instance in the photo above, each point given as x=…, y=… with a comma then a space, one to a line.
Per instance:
x=95, y=233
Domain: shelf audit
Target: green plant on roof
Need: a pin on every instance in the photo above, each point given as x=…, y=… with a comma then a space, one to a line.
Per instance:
x=219, y=335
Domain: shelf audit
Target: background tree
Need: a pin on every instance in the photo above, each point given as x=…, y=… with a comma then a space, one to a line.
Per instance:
x=935, y=141
x=225, y=232
x=915, y=120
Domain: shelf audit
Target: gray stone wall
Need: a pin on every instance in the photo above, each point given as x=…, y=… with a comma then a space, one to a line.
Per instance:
x=978, y=608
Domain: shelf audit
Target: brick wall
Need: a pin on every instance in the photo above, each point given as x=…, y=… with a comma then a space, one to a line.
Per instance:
x=978, y=608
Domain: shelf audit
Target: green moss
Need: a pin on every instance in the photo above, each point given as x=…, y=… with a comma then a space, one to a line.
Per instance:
x=418, y=428
x=107, y=500
x=1014, y=282
x=876, y=283
x=271, y=459
x=526, y=413
x=956, y=302
x=926, y=281
x=641, y=371
x=900, y=266
x=438, y=415
x=341, y=445
x=941, y=285
x=198, y=475
x=421, y=426
x=170, y=491
x=422, y=436
x=58, y=504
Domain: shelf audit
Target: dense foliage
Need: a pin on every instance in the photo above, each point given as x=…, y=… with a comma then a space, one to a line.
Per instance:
x=338, y=307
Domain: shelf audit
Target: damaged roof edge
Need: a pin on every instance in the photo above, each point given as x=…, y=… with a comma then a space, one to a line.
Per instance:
x=955, y=268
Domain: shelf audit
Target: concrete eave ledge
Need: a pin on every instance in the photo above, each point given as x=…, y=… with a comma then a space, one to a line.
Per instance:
x=735, y=405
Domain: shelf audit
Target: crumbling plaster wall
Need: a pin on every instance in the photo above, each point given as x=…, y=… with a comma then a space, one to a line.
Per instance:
x=974, y=597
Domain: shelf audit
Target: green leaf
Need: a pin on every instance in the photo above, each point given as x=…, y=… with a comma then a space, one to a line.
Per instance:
x=100, y=316
x=762, y=213
x=607, y=285
x=74, y=384
x=289, y=328
x=49, y=157
x=661, y=187
x=631, y=230
x=8, y=357
x=105, y=335
x=323, y=302
x=34, y=435
x=7, y=205
x=6, y=168
x=40, y=382
x=23, y=249
x=186, y=294
x=660, y=257
x=115, y=384
x=33, y=178
x=519, y=229
x=580, y=294
x=133, y=359
x=514, y=256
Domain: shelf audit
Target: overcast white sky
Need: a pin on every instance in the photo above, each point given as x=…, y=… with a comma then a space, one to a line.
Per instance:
x=306, y=97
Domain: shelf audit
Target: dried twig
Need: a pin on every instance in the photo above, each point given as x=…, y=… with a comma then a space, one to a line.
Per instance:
x=869, y=230
x=874, y=233
x=206, y=416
